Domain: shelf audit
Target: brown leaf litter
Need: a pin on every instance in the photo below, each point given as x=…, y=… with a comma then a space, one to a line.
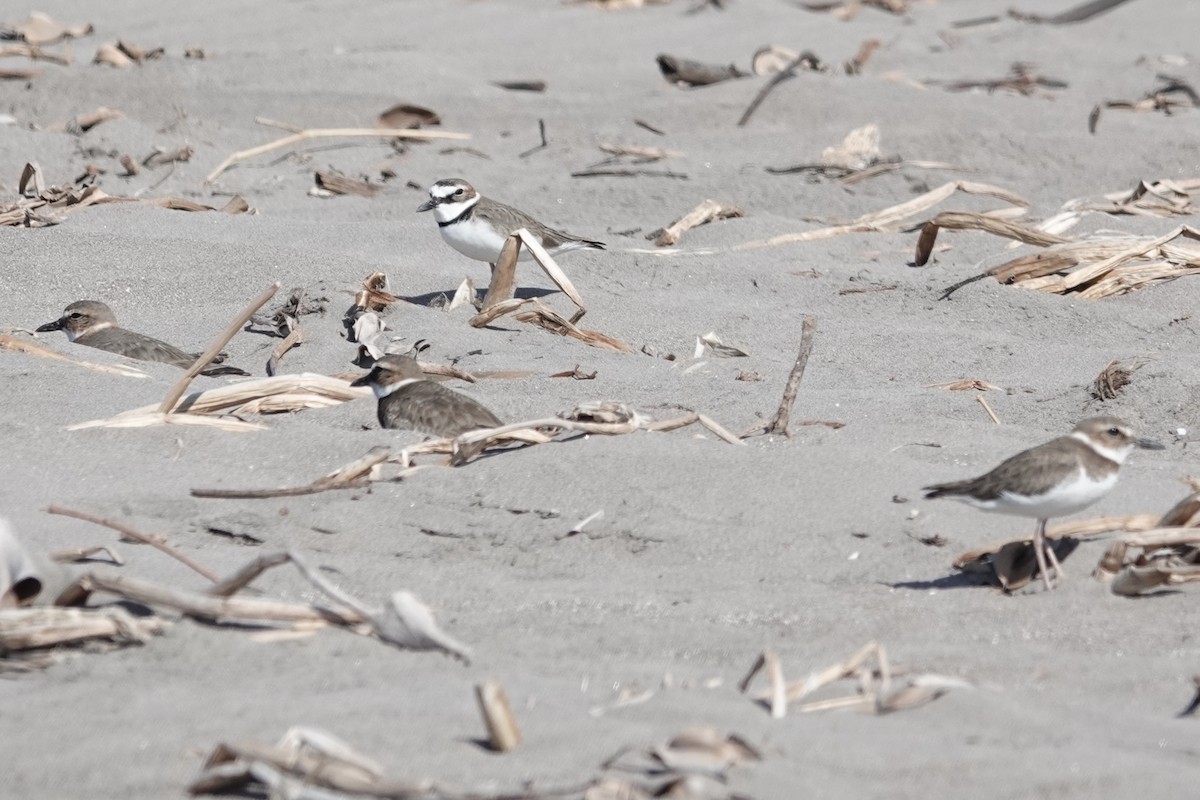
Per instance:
x=1115, y=377
x=331, y=183
x=1169, y=95
x=409, y=117
x=706, y=212
x=1091, y=268
x=1011, y=564
x=1023, y=79
x=38, y=205
x=1169, y=553
x=868, y=666
x=888, y=219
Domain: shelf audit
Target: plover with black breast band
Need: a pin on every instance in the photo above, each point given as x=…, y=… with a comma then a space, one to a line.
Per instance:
x=407, y=399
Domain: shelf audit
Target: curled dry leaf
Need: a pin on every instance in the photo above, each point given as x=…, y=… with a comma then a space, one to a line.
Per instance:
x=772, y=59
x=113, y=56
x=1115, y=377
x=20, y=582
x=684, y=72
x=706, y=212
x=408, y=117
x=41, y=29
x=710, y=343
x=374, y=295
x=330, y=183
x=859, y=150
x=161, y=156
x=85, y=122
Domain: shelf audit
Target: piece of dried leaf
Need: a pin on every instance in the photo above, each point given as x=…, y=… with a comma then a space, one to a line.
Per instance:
x=1115, y=377
x=41, y=29
x=708, y=211
x=407, y=116
x=711, y=343
x=330, y=182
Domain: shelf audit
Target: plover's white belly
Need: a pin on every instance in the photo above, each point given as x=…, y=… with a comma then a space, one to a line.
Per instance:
x=477, y=240
x=1065, y=498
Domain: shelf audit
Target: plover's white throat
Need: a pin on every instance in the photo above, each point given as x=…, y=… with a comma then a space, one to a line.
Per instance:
x=477, y=227
x=408, y=400
x=1054, y=479
x=92, y=323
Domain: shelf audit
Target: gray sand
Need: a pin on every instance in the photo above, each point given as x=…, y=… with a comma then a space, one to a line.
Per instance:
x=706, y=553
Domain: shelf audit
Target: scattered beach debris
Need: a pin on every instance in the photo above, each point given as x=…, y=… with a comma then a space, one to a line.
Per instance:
x=122, y=54
x=82, y=123
x=1169, y=553
x=20, y=583
x=408, y=117
x=1169, y=95
x=964, y=385
x=1023, y=79
x=331, y=183
x=687, y=73
x=328, y=133
x=521, y=86
x=778, y=425
x=711, y=344
x=503, y=733
x=1115, y=377
x=1091, y=268
x=38, y=205
x=859, y=150
x=888, y=219
x=706, y=212
x=1080, y=13
x=768, y=61
x=41, y=29
x=542, y=144
x=15, y=345
x=1159, y=198
x=846, y=10
x=1011, y=564
x=868, y=666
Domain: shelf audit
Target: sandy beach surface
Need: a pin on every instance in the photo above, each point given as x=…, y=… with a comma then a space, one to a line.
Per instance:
x=706, y=552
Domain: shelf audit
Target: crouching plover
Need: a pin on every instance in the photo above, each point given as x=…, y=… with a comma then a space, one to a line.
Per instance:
x=477, y=227
x=1059, y=477
x=92, y=323
x=408, y=400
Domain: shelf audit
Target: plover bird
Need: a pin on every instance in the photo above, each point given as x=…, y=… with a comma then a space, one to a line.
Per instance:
x=408, y=400
x=1054, y=479
x=477, y=227
x=91, y=323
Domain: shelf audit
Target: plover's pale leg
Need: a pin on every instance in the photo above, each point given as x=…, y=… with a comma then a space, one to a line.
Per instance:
x=1058, y=570
x=1039, y=550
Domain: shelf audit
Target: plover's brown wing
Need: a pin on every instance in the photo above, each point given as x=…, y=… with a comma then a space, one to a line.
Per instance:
x=510, y=219
x=435, y=410
x=136, y=345
x=1031, y=472
x=147, y=348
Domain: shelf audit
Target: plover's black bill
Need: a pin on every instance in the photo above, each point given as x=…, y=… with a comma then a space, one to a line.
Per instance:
x=57, y=325
x=427, y=205
x=1145, y=444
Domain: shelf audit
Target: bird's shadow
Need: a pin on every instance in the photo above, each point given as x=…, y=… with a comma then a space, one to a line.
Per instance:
x=957, y=580
x=437, y=299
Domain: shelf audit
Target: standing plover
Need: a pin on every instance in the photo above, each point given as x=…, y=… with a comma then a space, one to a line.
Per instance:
x=1059, y=477
x=91, y=323
x=477, y=227
x=408, y=400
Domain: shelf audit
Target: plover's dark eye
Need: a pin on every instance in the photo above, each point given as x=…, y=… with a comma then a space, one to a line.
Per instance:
x=75, y=315
x=458, y=192
x=1114, y=431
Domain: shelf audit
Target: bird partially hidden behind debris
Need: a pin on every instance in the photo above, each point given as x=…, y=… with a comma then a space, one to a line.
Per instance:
x=92, y=323
x=408, y=400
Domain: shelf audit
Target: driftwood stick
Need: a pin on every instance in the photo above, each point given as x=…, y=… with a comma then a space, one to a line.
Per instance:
x=214, y=349
x=784, y=74
x=137, y=536
x=779, y=423
x=348, y=477
x=326, y=133
x=244, y=576
x=216, y=609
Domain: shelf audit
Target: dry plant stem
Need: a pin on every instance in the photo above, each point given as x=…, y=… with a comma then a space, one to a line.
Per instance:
x=779, y=423
x=215, y=609
x=351, y=476
x=329, y=133
x=503, y=733
x=215, y=348
x=246, y=575
x=787, y=72
x=983, y=402
x=129, y=532
x=504, y=274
